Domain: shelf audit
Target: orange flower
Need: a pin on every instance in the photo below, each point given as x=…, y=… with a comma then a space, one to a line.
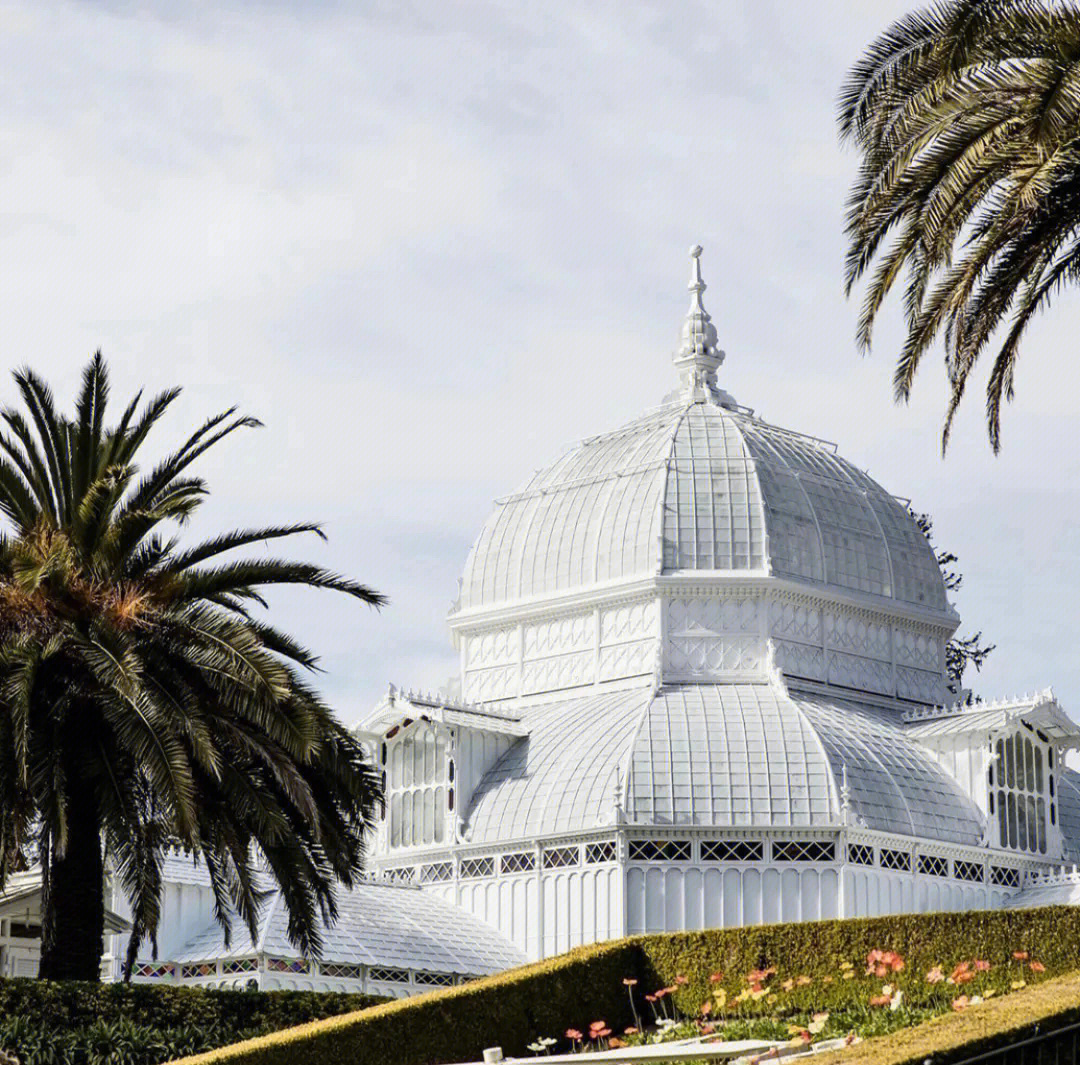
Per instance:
x=682, y=980
x=596, y=1025
x=706, y=1008
x=630, y=1031
x=629, y=982
x=708, y=1029
x=650, y=998
x=961, y=1002
x=602, y=1033
x=1020, y=955
x=787, y=985
x=573, y=1033
x=615, y=1042
x=715, y=978
x=1037, y=967
x=880, y=1000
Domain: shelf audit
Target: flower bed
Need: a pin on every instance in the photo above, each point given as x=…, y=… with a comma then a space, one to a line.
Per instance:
x=884, y=994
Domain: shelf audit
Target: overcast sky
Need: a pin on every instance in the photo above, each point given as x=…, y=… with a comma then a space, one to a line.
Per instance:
x=432, y=244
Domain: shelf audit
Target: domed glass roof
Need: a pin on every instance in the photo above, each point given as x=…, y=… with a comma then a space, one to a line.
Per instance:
x=717, y=754
x=697, y=486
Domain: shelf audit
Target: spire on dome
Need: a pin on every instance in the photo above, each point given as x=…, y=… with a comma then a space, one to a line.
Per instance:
x=698, y=357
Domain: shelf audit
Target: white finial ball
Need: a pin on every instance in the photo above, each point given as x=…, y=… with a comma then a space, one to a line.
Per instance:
x=696, y=250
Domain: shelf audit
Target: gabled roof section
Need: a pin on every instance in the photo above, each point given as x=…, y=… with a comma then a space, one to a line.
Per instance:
x=400, y=709
x=1040, y=710
x=396, y=925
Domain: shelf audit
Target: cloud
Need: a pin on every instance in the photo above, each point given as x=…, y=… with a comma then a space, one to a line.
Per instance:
x=433, y=245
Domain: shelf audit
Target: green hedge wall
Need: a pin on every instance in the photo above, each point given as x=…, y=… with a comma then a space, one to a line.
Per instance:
x=70, y=1023
x=512, y=1009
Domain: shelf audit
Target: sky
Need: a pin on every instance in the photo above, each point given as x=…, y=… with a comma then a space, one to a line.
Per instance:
x=430, y=245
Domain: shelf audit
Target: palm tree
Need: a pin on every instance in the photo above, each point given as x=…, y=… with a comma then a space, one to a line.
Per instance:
x=967, y=119
x=142, y=705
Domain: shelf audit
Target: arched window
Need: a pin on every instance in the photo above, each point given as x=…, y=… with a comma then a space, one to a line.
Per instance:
x=1022, y=790
x=419, y=772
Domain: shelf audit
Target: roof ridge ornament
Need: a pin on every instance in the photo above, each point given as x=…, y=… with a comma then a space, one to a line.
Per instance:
x=699, y=357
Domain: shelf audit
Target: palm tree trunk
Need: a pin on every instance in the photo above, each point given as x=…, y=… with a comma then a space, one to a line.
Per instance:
x=73, y=902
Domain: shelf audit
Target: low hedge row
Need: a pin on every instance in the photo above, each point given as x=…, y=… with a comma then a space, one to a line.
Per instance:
x=1000, y=1022
x=70, y=1004
x=511, y=1009
x=71, y=1023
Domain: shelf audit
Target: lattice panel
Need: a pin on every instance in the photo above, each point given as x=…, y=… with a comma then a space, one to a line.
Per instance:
x=288, y=965
x=1004, y=876
x=860, y=854
x=155, y=970
x=196, y=969
x=599, y=852
x=402, y=874
x=893, y=859
x=656, y=850
x=560, y=857
x=799, y=660
x=967, y=870
x=388, y=976
x=436, y=872
x=434, y=979
x=732, y=850
x=472, y=868
x=803, y=850
x=240, y=965
x=933, y=865
x=521, y=862
x=342, y=971
x=795, y=622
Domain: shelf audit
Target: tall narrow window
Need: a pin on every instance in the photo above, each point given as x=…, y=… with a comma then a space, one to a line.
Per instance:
x=1018, y=792
x=417, y=788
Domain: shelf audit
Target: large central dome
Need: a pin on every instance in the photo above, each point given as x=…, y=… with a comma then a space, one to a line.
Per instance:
x=700, y=486
x=701, y=544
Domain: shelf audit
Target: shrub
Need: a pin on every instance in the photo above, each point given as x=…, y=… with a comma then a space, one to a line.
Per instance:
x=71, y=1023
x=513, y=1008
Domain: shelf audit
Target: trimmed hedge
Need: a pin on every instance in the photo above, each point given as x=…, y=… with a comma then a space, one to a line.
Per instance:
x=513, y=1008
x=998, y=1023
x=70, y=1004
x=70, y=1023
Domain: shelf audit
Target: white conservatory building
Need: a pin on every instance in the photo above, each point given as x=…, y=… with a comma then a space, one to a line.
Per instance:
x=702, y=684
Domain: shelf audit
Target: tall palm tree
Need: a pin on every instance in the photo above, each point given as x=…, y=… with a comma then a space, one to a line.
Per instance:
x=967, y=119
x=142, y=704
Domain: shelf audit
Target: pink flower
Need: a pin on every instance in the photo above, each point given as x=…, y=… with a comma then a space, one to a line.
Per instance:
x=935, y=975
x=1020, y=955
x=961, y=1002
x=596, y=1025
x=573, y=1033
x=715, y=978
x=1037, y=967
x=880, y=1000
x=601, y=1033
x=630, y=1031
x=982, y=966
x=682, y=980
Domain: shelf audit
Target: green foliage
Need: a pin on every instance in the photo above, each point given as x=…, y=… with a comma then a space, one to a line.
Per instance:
x=514, y=1008
x=70, y=1023
x=966, y=116
x=141, y=698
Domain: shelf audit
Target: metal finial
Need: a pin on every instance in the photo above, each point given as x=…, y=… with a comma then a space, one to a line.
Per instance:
x=698, y=357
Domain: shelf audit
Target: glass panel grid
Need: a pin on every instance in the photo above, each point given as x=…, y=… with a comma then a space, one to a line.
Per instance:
x=967, y=870
x=1004, y=876
x=436, y=872
x=386, y=975
x=434, y=979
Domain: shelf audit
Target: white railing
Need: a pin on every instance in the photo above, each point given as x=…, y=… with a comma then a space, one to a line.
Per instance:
x=680, y=1050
